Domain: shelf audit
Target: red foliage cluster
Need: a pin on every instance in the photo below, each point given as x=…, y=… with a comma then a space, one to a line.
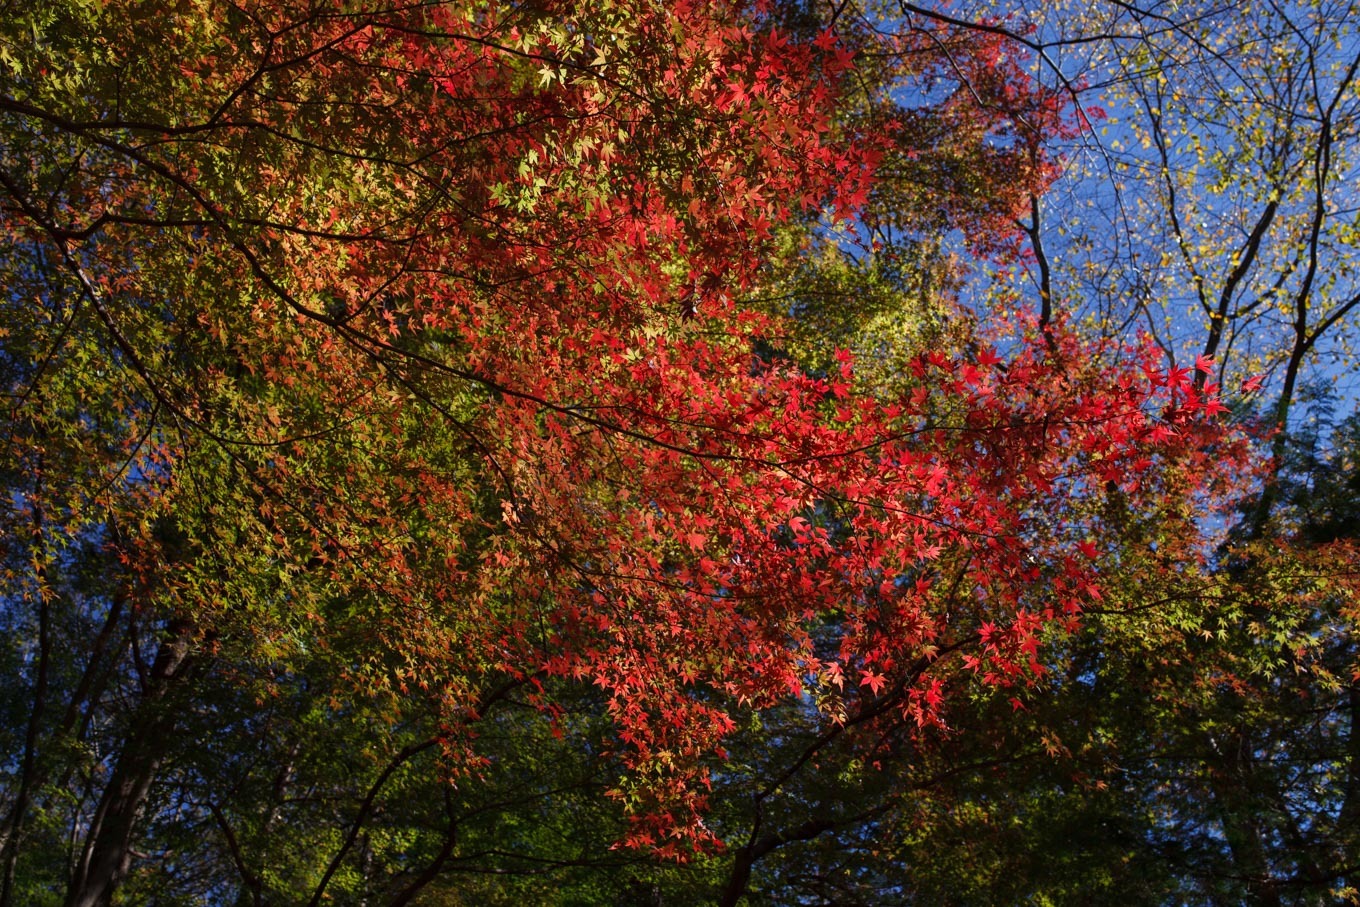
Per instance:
x=477, y=272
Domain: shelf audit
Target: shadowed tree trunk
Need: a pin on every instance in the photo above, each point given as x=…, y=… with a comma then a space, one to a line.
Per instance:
x=106, y=856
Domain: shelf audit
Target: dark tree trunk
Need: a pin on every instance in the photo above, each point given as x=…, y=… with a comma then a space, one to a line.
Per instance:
x=107, y=853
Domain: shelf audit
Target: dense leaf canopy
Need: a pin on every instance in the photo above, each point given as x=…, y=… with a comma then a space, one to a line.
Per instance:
x=473, y=452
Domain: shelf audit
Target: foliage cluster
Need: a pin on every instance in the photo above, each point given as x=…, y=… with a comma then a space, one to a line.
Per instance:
x=479, y=452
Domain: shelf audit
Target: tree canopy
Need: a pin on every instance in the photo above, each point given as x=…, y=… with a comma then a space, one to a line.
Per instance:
x=650, y=452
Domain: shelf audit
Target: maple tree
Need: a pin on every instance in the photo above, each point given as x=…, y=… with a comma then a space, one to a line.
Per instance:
x=1191, y=743
x=1201, y=724
x=405, y=380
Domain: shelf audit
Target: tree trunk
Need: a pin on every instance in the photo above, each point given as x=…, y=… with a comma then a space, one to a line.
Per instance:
x=106, y=856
